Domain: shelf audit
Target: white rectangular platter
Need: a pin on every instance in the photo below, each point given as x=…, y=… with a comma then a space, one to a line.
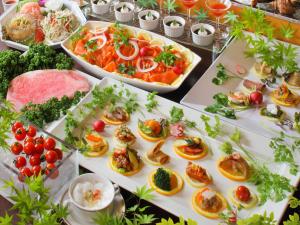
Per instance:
x=12, y=11
x=150, y=86
x=179, y=204
x=201, y=94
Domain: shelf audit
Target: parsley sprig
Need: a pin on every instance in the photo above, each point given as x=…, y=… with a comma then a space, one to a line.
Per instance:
x=211, y=130
x=152, y=103
x=223, y=75
x=166, y=56
x=221, y=106
x=129, y=70
x=177, y=115
x=201, y=14
x=120, y=36
x=147, y=3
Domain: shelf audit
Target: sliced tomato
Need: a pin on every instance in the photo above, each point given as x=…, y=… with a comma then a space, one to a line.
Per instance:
x=39, y=35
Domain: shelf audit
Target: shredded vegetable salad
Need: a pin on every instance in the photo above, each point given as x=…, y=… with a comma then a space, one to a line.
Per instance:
x=118, y=50
x=59, y=25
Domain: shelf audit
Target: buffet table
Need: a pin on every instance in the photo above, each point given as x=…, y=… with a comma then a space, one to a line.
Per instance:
x=176, y=96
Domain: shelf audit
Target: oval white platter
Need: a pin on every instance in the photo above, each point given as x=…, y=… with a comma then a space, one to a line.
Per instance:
x=73, y=6
x=161, y=88
x=180, y=204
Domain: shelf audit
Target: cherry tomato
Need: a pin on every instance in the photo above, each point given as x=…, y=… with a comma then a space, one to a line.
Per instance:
x=20, y=162
x=26, y=172
x=20, y=134
x=39, y=145
x=59, y=153
x=243, y=193
x=36, y=170
x=29, y=148
x=144, y=51
x=99, y=125
x=16, y=125
x=50, y=167
x=28, y=139
x=256, y=98
x=35, y=160
x=51, y=156
x=107, y=35
x=31, y=131
x=49, y=143
x=177, y=69
x=16, y=148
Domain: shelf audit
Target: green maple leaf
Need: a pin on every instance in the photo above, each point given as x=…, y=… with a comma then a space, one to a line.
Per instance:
x=144, y=193
x=231, y=17
x=147, y=3
x=201, y=14
x=293, y=220
x=287, y=31
x=6, y=220
x=170, y=5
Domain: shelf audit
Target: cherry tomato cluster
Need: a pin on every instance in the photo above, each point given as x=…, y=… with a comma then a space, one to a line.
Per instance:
x=34, y=154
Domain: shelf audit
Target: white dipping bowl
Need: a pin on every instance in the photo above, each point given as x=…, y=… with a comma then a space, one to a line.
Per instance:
x=94, y=179
x=200, y=39
x=174, y=31
x=100, y=9
x=148, y=24
x=124, y=17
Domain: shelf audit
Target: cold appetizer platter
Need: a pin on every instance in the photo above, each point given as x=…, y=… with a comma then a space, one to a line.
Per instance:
x=196, y=165
x=30, y=22
x=247, y=94
x=132, y=55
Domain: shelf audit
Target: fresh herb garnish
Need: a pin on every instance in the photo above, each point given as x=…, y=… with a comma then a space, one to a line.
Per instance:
x=120, y=36
x=180, y=222
x=264, y=219
x=129, y=70
x=284, y=152
x=227, y=148
x=221, y=106
x=152, y=103
x=222, y=75
x=296, y=124
x=166, y=56
x=176, y=114
x=294, y=202
x=212, y=131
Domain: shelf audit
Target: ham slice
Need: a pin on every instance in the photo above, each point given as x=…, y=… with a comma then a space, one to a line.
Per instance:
x=252, y=85
x=41, y=85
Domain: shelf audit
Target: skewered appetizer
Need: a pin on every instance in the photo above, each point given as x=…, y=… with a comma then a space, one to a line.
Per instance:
x=156, y=156
x=263, y=70
x=190, y=148
x=272, y=112
x=97, y=145
x=234, y=167
x=126, y=161
x=165, y=181
x=238, y=100
x=283, y=96
x=124, y=137
x=153, y=130
x=242, y=196
x=209, y=203
x=116, y=116
x=197, y=176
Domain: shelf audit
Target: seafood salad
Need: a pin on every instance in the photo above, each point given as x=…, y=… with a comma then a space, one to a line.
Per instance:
x=35, y=23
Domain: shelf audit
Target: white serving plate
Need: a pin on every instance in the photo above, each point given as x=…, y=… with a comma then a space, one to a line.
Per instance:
x=201, y=94
x=99, y=72
x=73, y=6
x=179, y=204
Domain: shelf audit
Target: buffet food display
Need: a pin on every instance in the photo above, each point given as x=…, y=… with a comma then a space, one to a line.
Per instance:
x=237, y=156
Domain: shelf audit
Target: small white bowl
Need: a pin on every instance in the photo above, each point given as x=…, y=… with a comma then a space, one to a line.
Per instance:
x=148, y=24
x=174, y=31
x=124, y=17
x=100, y=9
x=6, y=5
x=92, y=178
x=203, y=40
